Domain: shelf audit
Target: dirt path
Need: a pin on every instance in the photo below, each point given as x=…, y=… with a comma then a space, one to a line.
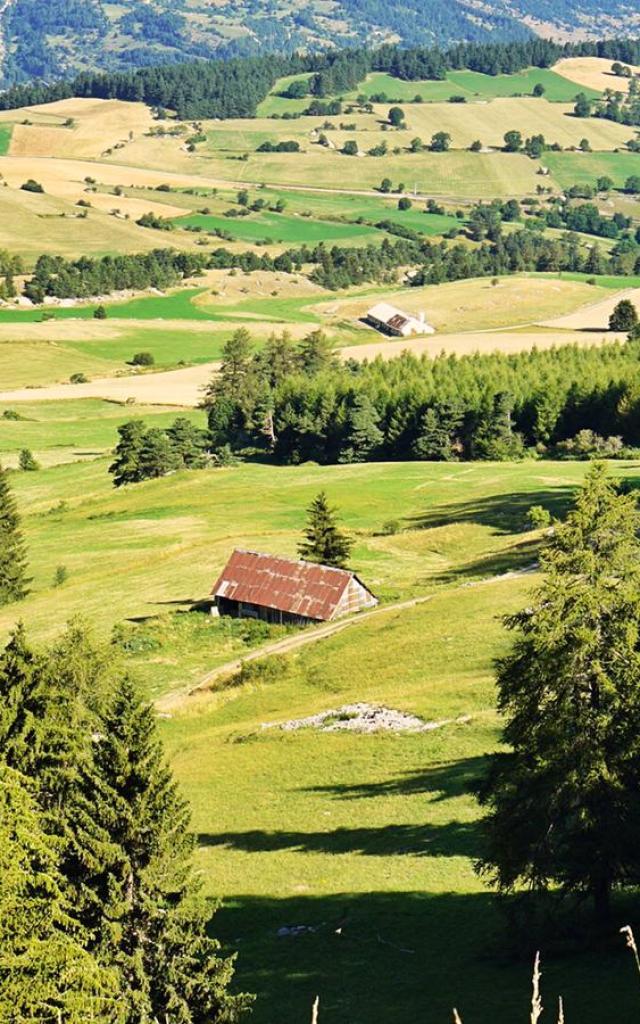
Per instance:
x=595, y=316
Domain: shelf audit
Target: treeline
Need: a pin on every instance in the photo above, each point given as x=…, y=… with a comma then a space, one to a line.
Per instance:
x=235, y=87
x=101, y=918
x=340, y=267
x=297, y=403
x=57, y=277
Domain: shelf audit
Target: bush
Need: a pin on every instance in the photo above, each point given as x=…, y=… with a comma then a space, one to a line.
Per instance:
x=78, y=378
x=143, y=359
x=538, y=517
x=390, y=528
x=32, y=186
x=100, y=313
x=11, y=414
x=404, y=203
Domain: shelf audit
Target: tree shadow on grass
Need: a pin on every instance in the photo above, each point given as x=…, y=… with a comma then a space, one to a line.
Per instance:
x=453, y=839
x=403, y=957
x=504, y=513
x=441, y=782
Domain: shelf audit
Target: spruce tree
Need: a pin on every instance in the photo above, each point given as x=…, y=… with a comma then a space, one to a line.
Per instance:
x=363, y=437
x=13, y=560
x=46, y=973
x=323, y=541
x=188, y=442
x=171, y=969
x=564, y=805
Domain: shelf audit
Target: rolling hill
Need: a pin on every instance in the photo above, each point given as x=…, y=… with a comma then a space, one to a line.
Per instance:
x=55, y=39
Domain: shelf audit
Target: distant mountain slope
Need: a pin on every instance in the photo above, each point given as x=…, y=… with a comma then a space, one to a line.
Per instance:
x=54, y=38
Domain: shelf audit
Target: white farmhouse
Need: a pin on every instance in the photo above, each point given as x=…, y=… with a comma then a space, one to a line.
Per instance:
x=390, y=320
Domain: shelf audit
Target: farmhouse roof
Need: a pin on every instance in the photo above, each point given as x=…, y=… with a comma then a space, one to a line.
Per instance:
x=391, y=315
x=296, y=587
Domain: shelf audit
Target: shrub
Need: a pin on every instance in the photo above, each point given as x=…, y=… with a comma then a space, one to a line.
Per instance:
x=143, y=359
x=32, y=186
x=390, y=528
x=100, y=313
x=78, y=378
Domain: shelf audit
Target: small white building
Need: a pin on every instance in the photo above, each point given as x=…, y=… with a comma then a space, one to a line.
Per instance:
x=390, y=320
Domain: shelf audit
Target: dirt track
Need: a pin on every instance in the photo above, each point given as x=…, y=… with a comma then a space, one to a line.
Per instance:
x=594, y=317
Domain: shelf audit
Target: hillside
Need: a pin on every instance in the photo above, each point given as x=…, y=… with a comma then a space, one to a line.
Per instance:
x=408, y=279
x=62, y=36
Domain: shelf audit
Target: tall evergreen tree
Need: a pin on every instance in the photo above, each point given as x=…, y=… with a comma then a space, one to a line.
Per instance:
x=323, y=541
x=171, y=969
x=564, y=804
x=13, y=559
x=46, y=973
x=158, y=455
x=363, y=435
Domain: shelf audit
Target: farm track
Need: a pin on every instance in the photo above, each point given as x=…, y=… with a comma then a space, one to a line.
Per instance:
x=311, y=636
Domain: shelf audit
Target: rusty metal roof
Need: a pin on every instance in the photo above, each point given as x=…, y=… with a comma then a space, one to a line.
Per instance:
x=296, y=587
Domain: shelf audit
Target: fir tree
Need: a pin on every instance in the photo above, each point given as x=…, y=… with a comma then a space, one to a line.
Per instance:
x=126, y=465
x=171, y=969
x=495, y=438
x=324, y=542
x=189, y=443
x=564, y=809
x=46, y=974
x=363, y=435
x=13, y=561
x=158, y=455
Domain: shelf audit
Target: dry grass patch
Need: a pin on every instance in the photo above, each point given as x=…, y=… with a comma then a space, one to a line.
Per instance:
x=592, y=73
x=489, y=121
x=477, y=305
x=99, y=125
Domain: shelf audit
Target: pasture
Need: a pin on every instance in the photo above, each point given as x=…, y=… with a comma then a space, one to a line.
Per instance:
x=472, y=85
x=374, y=834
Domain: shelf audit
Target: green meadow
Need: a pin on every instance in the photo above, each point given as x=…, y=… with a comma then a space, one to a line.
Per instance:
x=368, y=841
x=6, y=131
x=277, y=227
x=175, y=306
x=473, y=85
x=585, y=168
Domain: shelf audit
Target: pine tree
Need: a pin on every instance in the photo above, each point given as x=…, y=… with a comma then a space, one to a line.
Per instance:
x=46, y=974
x=171, y=969
x=324, y=542
x=437, y=437
x=126, y=465
x=363, y=435
x=13, y=560
x=624, y=317
x=564, y=809
x=495, y=438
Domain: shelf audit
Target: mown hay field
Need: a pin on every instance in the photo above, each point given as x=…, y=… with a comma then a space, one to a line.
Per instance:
x=592, y=73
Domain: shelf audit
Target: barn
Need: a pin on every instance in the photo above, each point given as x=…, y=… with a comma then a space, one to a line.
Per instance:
x=282, y=590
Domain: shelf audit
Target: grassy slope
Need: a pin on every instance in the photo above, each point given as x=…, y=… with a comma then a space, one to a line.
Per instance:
x=319, y=824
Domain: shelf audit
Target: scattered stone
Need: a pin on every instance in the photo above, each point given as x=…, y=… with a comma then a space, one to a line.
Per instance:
x=364, y=718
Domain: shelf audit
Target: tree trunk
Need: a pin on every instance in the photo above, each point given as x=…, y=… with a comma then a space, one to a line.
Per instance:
x=601, y=890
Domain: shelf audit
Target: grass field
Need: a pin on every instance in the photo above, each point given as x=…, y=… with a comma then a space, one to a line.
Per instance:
x=278, y=227
x=378, y=832
x=585, y=168
x=66, y=431
x=473, y=85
